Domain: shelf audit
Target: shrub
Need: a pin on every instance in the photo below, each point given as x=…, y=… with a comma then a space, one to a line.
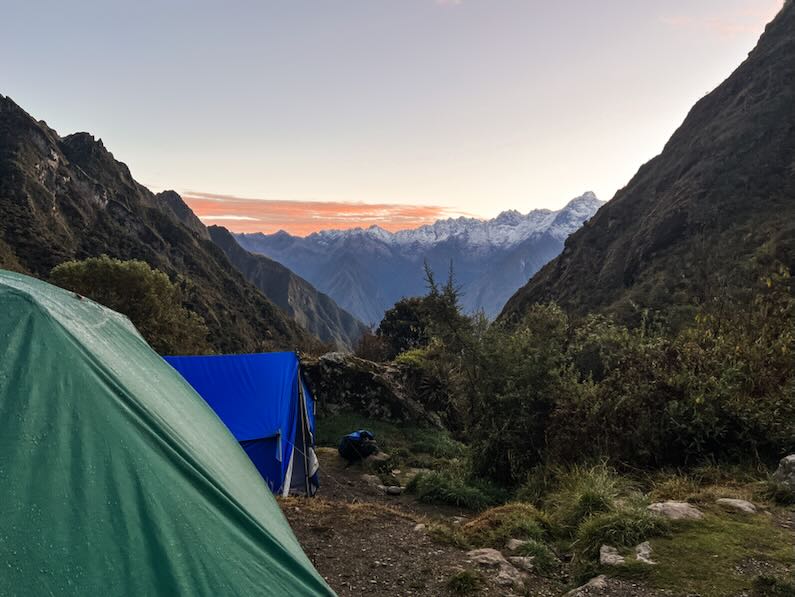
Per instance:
x=444, y=487
x=465, y=582
x=494, y=527
x=622, y=528
x=544, y=559
x=583, y=492
x=151, y=301
x=770, y=586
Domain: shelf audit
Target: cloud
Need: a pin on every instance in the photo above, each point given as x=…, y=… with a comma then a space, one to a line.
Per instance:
x=750, y=18
x=304, y=217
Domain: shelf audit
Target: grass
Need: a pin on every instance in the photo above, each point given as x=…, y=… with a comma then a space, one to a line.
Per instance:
x=465, y=582
x=621, y=528
x=770, y=586
x=703, y=557
x=454, y=489
x=408, y=445
x=545, y=561
x=583, y=492
x=494, y=527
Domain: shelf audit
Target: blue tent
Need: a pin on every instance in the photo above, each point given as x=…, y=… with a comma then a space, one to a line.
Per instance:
x=265, y=403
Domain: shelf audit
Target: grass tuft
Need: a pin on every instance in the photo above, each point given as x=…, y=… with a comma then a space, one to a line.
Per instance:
x=626, y=527
x=448, y=488
x=512, y=521
x=545, y=561
x=770, y=586
x=465, y=582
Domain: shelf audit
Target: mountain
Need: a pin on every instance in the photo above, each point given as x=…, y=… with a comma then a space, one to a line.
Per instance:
x=694, y=220
x=67, y=198
x=315, y=311
x=367, y=270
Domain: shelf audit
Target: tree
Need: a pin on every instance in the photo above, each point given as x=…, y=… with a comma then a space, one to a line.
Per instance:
x=145, y=295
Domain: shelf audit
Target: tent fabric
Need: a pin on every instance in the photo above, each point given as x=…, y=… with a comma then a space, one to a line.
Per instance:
x=257, y=397
x=115, y=476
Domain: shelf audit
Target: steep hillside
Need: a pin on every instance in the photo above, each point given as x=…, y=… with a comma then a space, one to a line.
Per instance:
x=67, y=198
x=315, y=311
x=693, y=220
x=367, y=270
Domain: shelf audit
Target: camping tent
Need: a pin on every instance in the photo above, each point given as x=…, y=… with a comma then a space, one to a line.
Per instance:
x=264, y=401
x=116, y=478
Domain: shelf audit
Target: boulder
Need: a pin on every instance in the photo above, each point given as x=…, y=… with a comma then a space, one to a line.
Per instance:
x=514, y=544
x=643, y=553
x=676, y=510
x=377, y=458
x=785, y=474
x=741, y=506
x=507, y=576
x=609, y=556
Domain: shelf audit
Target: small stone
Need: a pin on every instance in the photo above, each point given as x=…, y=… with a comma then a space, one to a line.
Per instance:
x=394, y=490
x=377, y=458
x=418, y=528
x=371, y=480
x=742, y=506
x=643, y=553
x=522, y=562
x=514, y=544
x=609, y=556
x=673, y=510
x=598, y=582
x=491, y=558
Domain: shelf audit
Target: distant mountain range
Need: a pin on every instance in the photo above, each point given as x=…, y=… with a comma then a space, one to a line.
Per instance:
x=367, y=270
x=67, y=198
x=701, y=219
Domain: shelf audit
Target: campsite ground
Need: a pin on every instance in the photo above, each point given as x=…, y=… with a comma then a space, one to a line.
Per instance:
x=366, y=542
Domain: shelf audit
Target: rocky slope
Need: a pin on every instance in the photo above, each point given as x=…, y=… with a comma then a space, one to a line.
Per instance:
x=694, y=220
x=315, y=311
x=67, y=198
x=367, y=270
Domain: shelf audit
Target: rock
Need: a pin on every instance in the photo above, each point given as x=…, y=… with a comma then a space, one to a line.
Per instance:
x=676, y=510
x=643, y=553
x=522, y=562
x=598, y=583
x=419, y=528
x=377, y=458
x=507, y=576
x=371, y=480
x=514, y=544
x=490, y=558
x=785, y=474
x=742, y=506
x=609, y=556
x=394, y=490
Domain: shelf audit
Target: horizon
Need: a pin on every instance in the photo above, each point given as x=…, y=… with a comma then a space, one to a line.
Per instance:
x=306, y=118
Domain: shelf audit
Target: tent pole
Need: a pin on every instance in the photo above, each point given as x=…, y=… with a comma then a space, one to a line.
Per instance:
x=304, y=424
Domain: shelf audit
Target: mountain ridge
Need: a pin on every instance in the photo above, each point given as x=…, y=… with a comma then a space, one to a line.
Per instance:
x=367, y=269
x=719, y=197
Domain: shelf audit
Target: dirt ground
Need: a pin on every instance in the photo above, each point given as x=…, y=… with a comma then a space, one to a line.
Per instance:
x=365, y=543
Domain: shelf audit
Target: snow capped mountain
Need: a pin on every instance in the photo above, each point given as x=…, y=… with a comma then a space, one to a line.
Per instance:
x=366, y=270
x=506, y=230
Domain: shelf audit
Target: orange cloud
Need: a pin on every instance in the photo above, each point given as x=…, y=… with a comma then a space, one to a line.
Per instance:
x=304, y=217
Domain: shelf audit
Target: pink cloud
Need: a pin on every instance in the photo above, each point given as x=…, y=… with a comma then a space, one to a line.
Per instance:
x=304, y=217
x=749, y=19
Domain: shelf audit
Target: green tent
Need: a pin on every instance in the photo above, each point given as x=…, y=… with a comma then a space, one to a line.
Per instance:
x=115, y=477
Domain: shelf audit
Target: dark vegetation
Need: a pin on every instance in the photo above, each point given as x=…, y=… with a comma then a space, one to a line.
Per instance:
x=152, y=302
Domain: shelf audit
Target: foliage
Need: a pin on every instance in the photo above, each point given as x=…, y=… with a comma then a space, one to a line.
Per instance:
x=625, y=527
x=454, y=489
x=770, y=586
x=544, y=559
x=494, y=527
x=371, y=347
x=465, y=582
x=151, y=301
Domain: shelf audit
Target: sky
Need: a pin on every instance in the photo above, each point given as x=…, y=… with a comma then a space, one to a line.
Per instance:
x=302, y=115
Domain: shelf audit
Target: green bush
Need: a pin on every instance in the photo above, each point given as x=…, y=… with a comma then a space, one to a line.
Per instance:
x=770, y=586
x=151, y=301
x=626, y=527
x=545, y=561
x=444, y=487
x=583, y=492
x=494, y=527
x=465, y=582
